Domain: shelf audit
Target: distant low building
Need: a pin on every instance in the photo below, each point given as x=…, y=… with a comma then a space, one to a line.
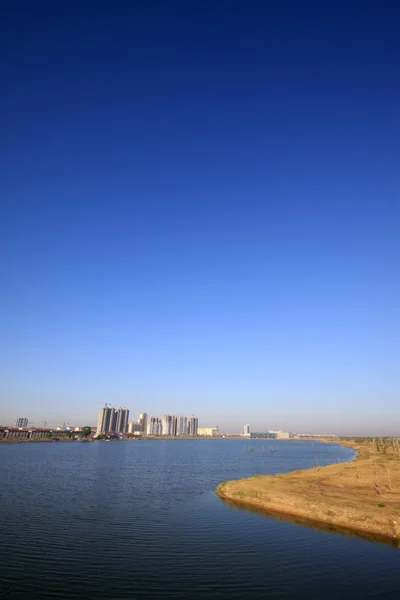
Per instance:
x=279, y=435
x=209, y=431
x=262, y=435
x=25, y=433
x=309, y=435
x=270, y=435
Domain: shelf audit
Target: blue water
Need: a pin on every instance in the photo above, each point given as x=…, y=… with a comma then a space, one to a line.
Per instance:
x=140, y=519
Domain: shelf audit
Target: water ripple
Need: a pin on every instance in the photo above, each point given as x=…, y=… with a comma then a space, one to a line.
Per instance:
x=141, y=520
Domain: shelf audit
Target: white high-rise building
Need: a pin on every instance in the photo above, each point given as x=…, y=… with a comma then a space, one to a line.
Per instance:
x=142, y=420
x=121, y=425
x=113, y=420
x=105, y=422
x=166, y=425
x=134, y=427
x=21, y=422
x=181, y=425
x=246, y=431
x=153, y=426
x=158, y=427
x=193, y=425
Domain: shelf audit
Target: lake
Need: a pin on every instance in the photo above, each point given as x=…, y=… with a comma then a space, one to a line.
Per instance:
x=140, y=519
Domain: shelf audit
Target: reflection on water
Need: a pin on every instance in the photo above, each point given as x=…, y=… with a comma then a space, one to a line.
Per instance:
x=316, y=525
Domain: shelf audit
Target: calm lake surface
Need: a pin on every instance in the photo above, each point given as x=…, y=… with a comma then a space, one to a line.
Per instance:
x=141, y=520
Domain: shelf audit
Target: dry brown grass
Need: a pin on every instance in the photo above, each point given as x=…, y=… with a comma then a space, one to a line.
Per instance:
x=363, y=496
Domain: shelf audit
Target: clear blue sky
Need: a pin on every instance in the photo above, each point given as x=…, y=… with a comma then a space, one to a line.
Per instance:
x=200, y=212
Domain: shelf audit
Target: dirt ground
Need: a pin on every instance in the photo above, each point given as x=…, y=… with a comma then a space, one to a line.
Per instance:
x=363, y=496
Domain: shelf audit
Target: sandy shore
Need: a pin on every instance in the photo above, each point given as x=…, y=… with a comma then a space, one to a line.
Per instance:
x=362, y=497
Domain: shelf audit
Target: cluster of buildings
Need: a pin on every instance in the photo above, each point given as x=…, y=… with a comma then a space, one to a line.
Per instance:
x=171, y=425
x=112, y=421
x=117, y=421
x=23, y=431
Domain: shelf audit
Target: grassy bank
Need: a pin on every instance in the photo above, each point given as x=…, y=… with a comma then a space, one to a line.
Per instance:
x=362, y=496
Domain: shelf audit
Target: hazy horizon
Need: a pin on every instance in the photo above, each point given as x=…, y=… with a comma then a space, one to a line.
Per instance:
x=201, y=213
x=295, y=424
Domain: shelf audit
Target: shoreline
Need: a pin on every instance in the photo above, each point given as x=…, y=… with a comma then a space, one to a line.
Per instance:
x=161, y=438
x=360, y=497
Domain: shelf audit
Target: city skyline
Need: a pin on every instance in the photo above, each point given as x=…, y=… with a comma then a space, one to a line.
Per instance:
x=111, y=420
x=114, y=420
x=231, y=423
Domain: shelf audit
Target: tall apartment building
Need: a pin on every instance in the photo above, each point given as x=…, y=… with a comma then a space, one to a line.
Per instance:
x=21, y=422
x=106, y=420
x=154, y=426
x=172, y=425
x=122, y=417
x=166, y=425
x=181, y=425
x=112, y=421
x=246, y=431
x=193, y=426
x=142, y=420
